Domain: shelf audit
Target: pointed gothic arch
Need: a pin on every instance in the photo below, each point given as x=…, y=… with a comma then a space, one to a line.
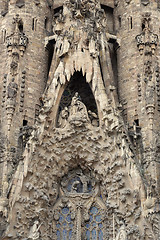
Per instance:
x=79, y=212
x=77, y=85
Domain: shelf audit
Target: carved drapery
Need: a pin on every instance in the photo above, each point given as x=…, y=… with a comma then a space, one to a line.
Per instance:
x=76, y=114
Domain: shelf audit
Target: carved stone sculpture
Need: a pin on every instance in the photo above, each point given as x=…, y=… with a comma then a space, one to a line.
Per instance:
x=122, y=235
x=78, y=112
x=79, y=155
x=34, y=231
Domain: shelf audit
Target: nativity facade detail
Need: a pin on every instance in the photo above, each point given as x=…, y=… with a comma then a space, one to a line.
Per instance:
x=79, y=120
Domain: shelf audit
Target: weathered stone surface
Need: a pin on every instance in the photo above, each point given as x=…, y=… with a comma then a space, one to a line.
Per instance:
x=79, y=128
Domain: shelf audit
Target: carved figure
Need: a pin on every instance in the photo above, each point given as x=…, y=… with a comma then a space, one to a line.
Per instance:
x=12, y=89
x=34, y=232
x=93, y=117
x=122, y=235
x=150, y=93
x=63, y=118
x=78, y=111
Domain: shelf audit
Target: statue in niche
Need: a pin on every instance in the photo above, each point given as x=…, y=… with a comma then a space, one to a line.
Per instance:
x=63, y=118
x=12, y=89
x=94, y=118
x=78, y=183
x=78, y=112
x=77, y=105
x=122, y=235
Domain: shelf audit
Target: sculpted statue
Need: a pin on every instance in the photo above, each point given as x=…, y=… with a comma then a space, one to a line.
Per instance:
x=78, y=111
x=77, y=106
x=122, y=235
x=63, y=117
x=34, y=231
x=12, y=89
x=93, y=117
x=77, y=114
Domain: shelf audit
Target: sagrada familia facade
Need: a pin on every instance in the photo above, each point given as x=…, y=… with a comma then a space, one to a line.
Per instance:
x=79, y=120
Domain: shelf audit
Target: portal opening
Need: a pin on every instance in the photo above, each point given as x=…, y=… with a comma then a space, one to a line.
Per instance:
x=77, y=92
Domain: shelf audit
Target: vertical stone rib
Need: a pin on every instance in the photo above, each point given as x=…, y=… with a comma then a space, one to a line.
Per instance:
x=78, y=237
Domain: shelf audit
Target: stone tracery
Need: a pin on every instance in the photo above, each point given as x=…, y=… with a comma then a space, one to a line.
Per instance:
x=78, y=215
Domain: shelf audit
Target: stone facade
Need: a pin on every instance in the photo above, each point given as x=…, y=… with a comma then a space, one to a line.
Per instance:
x=79, y=120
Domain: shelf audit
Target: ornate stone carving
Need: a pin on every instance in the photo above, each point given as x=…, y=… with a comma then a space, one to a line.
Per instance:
x=139, y=86
x=77, y=181
x=76, y=114
x=4, y=90
x=147, y=40
x=22, y=91
x=147, y=43
x=17, y=40
x=122, y=234
x=16, y=45
x=34, y=231
x=76, y=208
x=11, y=101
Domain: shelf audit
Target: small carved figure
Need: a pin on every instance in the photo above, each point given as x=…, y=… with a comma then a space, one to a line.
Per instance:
x=12, y=89
x=78, y=111
x=93, y=117
x=150, y=93
x=63, y=117
x=75, y=186
x=122, y=235
x=34, y=231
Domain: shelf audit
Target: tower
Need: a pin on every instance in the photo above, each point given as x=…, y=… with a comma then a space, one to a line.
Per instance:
x=79, y=120
x=138, y=81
